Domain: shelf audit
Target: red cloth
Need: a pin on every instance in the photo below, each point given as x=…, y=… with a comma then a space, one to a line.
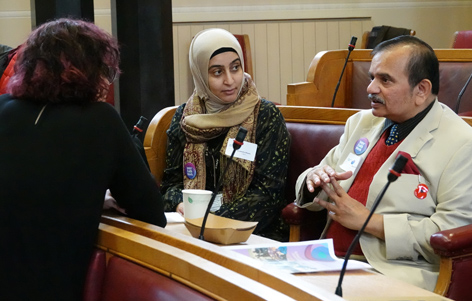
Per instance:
x=410, y=167
x=342, y=236
x=8, y=72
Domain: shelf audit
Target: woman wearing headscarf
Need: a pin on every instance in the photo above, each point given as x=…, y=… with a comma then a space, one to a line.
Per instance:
x=225, y=99
x=61, y=148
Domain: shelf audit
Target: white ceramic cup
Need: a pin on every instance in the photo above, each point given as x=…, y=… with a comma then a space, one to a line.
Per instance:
x=195, y=202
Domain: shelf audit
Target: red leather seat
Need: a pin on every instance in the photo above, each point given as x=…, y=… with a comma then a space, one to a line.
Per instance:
x=128, y=281
x=462, y=39
x=122, y=280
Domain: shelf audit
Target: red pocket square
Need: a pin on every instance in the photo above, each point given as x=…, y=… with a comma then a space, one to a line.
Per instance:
x=410, y=167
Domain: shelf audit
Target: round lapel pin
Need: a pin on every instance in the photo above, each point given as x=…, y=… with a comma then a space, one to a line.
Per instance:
x=190, y=170
x=421, y=191
x=361, y=146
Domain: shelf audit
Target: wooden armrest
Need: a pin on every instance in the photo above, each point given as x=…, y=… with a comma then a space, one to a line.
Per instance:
x=453, y=242
x=455, y=248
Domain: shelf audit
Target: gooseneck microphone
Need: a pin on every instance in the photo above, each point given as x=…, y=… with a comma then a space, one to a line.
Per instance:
x=458, y=101
x=237, y=143
x=350, y=48
x=393, y=175
x=138, y=127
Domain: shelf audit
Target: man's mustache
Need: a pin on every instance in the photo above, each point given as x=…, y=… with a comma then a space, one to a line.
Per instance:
x=375, y=98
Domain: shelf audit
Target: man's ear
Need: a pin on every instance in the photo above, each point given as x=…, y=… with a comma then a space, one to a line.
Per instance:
x=422, y=91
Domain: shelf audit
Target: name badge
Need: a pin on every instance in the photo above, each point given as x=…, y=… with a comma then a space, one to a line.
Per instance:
x=216, y=203
x=246, y=152
x=351, y=163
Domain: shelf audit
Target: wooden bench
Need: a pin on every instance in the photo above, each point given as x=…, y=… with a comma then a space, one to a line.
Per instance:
x=455, y=67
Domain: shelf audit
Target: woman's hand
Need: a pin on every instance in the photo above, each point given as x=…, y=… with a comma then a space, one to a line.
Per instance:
x=110, y=202
x=180, y=208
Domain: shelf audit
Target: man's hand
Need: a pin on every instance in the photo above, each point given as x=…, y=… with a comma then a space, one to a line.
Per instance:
x=348, y=211
x=320, y=175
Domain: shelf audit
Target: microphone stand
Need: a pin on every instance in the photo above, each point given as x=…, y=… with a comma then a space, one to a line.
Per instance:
x=237, y=143
x=350, y=48
x=394, y=173
x=458, y=102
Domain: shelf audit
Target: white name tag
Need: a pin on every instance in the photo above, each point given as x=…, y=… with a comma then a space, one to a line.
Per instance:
x=246, y=152
x=216, y=203
x=351, y=163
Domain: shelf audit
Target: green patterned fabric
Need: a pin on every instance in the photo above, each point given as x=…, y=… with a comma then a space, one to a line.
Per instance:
x=264, y=199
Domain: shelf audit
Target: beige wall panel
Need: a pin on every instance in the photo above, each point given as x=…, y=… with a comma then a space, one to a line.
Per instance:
x=321, y=39
x=344, y=34
x=357, y=31
x=248, y=28
x=333, y=34
x=309, y=49
x=285, y=61
x=259, y=43
x=297, y=57
x=235, y=28
x=181, y=63
x=273, y=59
x=14, y=5
x=103, y=21
x=177, y=59
x=20, y=26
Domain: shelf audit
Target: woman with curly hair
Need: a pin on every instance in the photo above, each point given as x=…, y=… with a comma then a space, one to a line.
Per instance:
x=61, y=148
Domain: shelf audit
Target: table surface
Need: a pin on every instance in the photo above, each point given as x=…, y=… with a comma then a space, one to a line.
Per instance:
x=252, y=240
x=357, y=285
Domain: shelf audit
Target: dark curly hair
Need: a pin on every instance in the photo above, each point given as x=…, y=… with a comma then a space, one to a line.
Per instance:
x=65, y=61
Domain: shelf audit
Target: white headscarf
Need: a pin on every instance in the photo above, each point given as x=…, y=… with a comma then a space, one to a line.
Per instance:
x=203, y=45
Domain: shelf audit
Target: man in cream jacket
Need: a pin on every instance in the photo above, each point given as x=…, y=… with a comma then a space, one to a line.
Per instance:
x=434, y=191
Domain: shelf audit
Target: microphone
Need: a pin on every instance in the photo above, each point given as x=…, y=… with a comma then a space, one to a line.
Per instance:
x=393, y=175
x=350, y=48
x=237, y=143
x=138, y=127
x=458, y=101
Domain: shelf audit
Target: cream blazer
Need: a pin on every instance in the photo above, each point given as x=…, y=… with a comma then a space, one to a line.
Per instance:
x=441, y=147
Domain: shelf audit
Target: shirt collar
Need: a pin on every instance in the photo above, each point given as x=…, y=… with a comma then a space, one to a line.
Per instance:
x=405, y=128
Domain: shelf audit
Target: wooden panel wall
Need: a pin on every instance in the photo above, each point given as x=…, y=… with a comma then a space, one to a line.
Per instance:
x=281, y=50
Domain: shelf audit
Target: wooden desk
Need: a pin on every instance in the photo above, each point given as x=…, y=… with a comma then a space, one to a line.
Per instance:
x=253, y=239
x=369, y=285
x=357, y=285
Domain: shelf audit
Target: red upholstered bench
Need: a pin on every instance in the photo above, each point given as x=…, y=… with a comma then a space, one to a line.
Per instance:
x=314, y=131
x=310, y=143
x=120, y=279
